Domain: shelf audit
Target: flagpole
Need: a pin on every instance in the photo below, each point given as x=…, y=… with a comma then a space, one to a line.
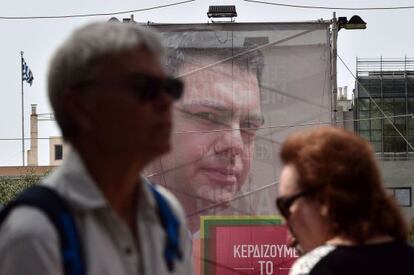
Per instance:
x=21, y=74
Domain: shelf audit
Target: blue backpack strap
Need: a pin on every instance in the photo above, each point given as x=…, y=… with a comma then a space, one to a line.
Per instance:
x=56, y=209
x=171, y=226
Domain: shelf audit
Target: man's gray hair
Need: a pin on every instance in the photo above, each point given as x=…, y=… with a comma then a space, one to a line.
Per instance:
x=74, y=61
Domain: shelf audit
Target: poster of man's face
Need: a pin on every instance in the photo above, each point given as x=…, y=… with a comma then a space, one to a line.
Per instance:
x=246, y=87
x=216, y=121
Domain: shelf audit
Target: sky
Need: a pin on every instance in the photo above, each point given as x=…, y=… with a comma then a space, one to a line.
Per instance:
x=388, y=35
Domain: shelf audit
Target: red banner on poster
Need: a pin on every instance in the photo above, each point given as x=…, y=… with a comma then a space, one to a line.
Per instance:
x=245, y=245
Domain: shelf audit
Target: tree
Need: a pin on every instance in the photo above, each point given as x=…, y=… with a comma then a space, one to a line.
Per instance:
x=411, y=236
x=10, y=187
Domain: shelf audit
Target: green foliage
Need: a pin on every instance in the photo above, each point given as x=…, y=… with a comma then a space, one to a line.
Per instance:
x=411, y=235
x=10, y=187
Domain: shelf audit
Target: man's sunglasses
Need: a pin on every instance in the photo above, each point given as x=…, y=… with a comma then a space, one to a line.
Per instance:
x=145, y=87
x=148, y=88
x=283, y=204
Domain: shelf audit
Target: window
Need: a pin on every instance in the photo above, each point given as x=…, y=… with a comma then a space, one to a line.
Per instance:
x=411, y=105
x=394, y=144
x=58, y=151
x=402, y=195
x=363, y=114
x=376, y=135
x=388, y=104
x=378, y=101
x=410, y=120
x=390, y=94
x=376, y=113
x=400, y=124
x=410, y=87
x=389, y=129
x=411, y=141
x=376, y=124
x=364, y=125
x=399, y=106
x=365, y=134
x=410, y=123
x=377, y=146
x=364, y=104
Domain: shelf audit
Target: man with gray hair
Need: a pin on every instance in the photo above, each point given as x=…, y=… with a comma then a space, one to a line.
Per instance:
x=112, y=101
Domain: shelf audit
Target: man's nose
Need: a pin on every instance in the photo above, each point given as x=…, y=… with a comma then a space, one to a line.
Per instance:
x=230, y=141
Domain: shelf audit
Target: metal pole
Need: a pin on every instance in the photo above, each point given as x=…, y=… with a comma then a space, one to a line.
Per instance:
x=334, y=71
x=21, y=74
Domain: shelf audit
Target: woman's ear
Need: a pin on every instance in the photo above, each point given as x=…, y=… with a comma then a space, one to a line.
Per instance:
x=324, y=210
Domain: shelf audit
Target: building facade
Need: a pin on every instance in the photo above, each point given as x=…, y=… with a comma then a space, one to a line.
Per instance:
x=344, y=110
x=385, y=88
x=384, y=108
x=57, y=149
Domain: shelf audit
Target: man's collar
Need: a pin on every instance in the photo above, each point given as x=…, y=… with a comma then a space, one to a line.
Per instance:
x=74, y=182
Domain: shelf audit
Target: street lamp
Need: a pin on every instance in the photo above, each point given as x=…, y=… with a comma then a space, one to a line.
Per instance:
x=227, y=11
x=355, y=23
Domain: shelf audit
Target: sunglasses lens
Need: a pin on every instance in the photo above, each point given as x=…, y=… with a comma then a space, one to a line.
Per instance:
x=174, y=88
x=149, y=88
x=284, y=203
x=281, y=206
x=146, y=88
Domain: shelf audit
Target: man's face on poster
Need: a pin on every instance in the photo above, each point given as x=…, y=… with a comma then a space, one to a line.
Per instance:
x=215, y=124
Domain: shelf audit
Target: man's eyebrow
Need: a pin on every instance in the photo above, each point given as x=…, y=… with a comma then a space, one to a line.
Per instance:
x=257, y=117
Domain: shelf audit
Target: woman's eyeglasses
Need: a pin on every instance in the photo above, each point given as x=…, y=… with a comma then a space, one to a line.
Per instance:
x=283, y=204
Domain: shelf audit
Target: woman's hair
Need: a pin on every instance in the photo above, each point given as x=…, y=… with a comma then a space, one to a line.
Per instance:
x=342, y=165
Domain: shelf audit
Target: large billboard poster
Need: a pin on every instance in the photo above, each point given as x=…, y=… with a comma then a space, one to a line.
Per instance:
x=247, y=86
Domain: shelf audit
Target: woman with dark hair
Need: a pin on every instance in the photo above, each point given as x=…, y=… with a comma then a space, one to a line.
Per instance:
x=333, y=201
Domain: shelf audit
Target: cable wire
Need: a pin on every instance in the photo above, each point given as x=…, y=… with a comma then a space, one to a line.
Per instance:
x=295, y=125
x=330, y=8
x=91, y=14
x=260, y=128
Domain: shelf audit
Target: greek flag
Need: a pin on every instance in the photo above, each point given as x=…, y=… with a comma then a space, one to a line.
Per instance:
x=26, y=73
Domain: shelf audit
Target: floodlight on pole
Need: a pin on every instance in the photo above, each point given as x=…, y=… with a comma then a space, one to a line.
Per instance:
x=226, y=11
x=355, y=23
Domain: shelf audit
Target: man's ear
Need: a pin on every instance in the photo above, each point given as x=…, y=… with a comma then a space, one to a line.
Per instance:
x=78, y=108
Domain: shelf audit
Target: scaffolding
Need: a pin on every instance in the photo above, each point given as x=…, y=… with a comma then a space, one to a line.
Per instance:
x=385, y=67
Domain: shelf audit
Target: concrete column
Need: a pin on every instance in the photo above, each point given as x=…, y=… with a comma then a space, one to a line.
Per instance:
x=32, y=154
